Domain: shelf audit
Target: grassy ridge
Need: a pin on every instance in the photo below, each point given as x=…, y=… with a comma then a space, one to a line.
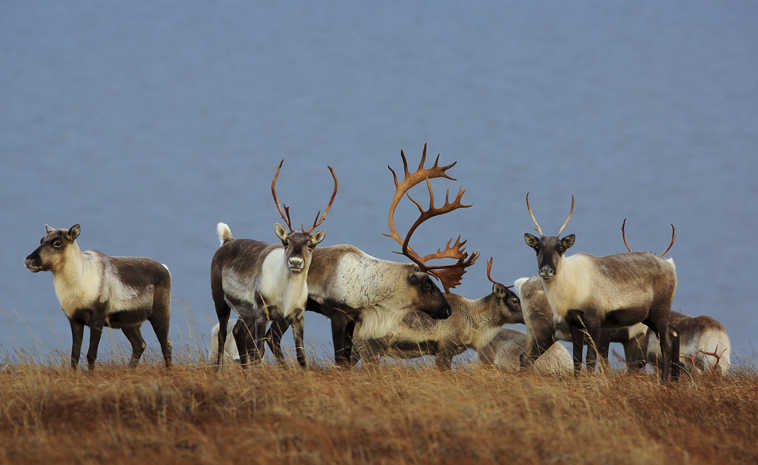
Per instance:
x=380, y=415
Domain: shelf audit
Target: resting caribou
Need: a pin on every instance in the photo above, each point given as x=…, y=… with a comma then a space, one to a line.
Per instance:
x=96, y=290
x=348, y=285
x=703, y=340
x=474, y=323
x=264, y=281
x=588, y=292
x=506, y=350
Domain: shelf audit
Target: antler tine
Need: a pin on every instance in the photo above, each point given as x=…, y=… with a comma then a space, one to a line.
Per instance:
x=571, y=212
x=401, y=189
x=489, y=276
x=276, y=201
x=531, y=213
x=318, y=221
x=671, y=244
x=714, y=354
x=623, y=235
x=457, y=251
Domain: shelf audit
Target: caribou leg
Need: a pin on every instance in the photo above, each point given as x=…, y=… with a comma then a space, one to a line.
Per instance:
x=77, y=333
x=575, y=320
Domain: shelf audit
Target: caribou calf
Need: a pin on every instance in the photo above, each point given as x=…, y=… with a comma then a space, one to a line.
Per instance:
x=471, y=325
x=96, y=290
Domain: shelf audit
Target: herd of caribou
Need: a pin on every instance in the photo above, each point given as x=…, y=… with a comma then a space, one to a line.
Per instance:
x=380, y=307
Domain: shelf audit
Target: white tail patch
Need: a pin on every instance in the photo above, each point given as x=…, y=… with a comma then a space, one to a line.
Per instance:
x=224, y=233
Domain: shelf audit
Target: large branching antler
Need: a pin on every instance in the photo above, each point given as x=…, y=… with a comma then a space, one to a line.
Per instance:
x=449, y=275
x=286, y=213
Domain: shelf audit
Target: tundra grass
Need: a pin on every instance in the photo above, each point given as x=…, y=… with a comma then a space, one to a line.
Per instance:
x=385, y=414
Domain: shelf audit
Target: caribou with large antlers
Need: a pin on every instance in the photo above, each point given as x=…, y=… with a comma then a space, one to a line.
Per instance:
x=348, y=285
x=589, y=292
x=264, y=281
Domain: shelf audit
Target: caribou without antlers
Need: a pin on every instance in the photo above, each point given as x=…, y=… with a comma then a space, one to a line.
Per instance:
x=262, y=281
x=613, y=291
x=96, y=290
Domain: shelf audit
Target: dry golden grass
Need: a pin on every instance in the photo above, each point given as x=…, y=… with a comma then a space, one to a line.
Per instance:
x=192, y=414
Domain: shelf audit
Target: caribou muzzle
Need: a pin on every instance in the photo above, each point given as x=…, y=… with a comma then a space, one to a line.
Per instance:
x=295, y=264
x=547, y=272
x=32, y=262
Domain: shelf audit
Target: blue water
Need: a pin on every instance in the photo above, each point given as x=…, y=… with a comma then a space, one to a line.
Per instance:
x=147, y=124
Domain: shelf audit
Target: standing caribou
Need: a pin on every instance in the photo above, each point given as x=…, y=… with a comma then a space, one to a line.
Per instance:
x=589, y=292
x=264, y=281
x=347, y=285
x=473, y=325
x=96, y=290
x=699, y=336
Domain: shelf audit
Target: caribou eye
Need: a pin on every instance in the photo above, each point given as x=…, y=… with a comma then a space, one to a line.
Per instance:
x=57, y=243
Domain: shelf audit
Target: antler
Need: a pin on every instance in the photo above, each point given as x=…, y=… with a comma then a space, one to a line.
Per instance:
x=489, y=269
x=318, y=220
x=449, y=275
x=563, y=226
x=571, y=212
x=623, y=236
x=531, y=213
x=715, y=354
x=276, y=201
x=671, y=244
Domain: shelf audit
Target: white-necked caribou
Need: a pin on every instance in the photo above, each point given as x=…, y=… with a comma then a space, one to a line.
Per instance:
x=99, y=291
x=263, y=281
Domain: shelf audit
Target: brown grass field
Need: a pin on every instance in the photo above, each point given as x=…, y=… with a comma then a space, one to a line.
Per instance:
x=389, y=414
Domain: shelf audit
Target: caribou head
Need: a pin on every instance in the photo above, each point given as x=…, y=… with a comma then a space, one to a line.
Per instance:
x=299, y=245
x=549, y=249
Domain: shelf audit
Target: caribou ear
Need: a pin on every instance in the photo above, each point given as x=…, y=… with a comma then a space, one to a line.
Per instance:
x=49, y=229
x=280, y=232
x=567, y=242
x=532, y=241
x=73, y=232
x=316, y=238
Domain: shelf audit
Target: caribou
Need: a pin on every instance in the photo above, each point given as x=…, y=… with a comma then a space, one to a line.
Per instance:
x=347, y=285
x=703, y=340
x=98, y=291
x=589, y=293
x=264, y=281
x=474, y=323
